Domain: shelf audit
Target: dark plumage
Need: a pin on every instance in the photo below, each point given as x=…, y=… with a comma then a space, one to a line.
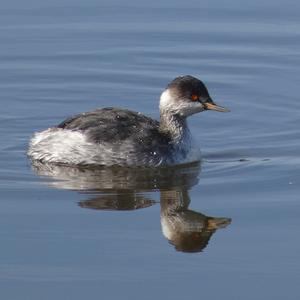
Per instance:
x=117, y=127
x=113, y=125
x=186, y=86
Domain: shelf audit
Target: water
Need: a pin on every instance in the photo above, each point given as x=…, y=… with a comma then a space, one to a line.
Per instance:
x=108, y=233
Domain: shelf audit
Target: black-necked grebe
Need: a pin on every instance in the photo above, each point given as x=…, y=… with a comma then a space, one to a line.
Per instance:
x=114, y=136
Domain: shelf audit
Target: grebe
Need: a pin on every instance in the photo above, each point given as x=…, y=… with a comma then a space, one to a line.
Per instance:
x=114, y=136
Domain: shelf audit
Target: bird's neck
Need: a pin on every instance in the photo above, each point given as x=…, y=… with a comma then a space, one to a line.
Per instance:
x=171, y=122
x=174, y=125
x=173, y=201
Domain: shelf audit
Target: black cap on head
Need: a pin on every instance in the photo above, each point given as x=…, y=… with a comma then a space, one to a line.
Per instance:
x=186, y=86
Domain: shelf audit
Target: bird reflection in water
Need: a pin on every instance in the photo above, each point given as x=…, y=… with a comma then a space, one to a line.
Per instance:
x=115, y=188
x=187, y=230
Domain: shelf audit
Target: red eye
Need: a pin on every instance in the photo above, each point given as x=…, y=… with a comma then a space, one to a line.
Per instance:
x=195, y=97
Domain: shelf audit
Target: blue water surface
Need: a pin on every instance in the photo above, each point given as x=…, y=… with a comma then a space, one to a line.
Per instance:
x=107, y=234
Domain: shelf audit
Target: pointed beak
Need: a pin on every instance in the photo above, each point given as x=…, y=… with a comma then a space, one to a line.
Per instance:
x=213, y=106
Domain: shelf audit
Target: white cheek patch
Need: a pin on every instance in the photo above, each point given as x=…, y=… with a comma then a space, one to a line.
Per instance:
x=185, y=107
x=166, y=101
x=189, y=108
